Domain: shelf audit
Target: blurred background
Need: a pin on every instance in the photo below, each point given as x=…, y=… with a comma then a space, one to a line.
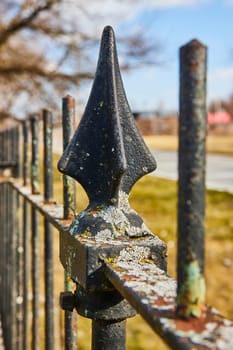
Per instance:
x=50, y=47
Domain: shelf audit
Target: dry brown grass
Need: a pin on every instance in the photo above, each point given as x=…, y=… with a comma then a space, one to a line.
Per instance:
x=215, y=143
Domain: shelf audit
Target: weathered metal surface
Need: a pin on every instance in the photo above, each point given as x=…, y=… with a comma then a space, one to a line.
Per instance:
x=35, y=154
x=35, y=280
x=25, y=228
x=103, y=305
x=108, y=335
x=48, y=230
x=109, y=161
x=107, y=155
x=15, y=152
x=67, y=301
x=191, y=202
x=18, y=270
x=12, y=208
x=153, y=294
x=9, y=150
x=1, y=146
x=35, y=189
x=68, y=118
x=26, y=272
x=8, y=267
x=69, y=200
x=48, y=155
x=25, y=152
x=81, y=256
x=51, y=211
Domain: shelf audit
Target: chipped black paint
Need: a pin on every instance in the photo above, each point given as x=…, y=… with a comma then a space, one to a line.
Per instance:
x=191, y=204
x=107, y=152
x=107, y=155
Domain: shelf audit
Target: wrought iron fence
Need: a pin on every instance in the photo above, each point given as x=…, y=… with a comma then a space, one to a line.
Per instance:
x=118, y=267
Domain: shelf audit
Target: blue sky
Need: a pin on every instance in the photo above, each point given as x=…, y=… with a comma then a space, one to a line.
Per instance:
x=173, y=23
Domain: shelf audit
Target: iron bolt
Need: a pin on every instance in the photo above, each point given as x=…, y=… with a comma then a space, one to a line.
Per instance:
x=67, y=301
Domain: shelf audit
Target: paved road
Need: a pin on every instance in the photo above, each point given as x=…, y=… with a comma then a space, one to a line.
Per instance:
x=219, y=168
x=219, y=172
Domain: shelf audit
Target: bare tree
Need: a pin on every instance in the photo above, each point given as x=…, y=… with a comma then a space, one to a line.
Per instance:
x=46, y=50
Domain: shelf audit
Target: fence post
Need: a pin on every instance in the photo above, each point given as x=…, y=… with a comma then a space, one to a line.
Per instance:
x=69, y=199
x=25, y=152
x=15, y=152
x=191, y=201
x=35, y=233
x=26, y=269
x=107, y=156
x=48, y=230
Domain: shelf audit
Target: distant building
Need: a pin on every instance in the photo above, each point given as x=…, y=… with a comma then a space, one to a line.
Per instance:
x=152, y=124
x=219, y=117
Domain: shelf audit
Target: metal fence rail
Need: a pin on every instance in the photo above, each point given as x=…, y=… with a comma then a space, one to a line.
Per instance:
x=117, y=266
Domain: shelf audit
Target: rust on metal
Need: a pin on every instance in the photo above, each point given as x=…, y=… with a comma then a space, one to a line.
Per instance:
x=70, y=102
x=106, y=155
x=51, y=211
x=153, y=294
x=191, y=193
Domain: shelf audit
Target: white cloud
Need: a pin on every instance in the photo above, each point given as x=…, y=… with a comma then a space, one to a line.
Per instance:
x=116, y=6
x=220, y=84
x=92, y=13
x=222, y=74
x=171, y=3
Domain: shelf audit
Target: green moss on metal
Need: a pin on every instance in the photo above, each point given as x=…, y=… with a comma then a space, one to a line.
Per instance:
x=191, y=297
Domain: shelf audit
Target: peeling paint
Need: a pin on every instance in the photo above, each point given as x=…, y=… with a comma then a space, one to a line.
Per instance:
x=191, y=295
x=119, y=219
x=153, y=294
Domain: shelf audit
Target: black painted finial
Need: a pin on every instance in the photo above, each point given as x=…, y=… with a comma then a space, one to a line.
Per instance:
x=107, y=154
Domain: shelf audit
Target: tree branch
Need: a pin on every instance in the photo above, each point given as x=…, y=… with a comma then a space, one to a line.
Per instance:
x=20, y=23
x=40, y=72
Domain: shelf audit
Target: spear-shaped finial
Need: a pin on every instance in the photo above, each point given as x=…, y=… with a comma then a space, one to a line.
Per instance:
x=107, y=154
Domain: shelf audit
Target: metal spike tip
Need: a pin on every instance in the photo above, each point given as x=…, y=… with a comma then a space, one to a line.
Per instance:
x=107, y=153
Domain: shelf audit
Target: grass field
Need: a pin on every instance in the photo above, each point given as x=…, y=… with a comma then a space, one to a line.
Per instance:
x=155, y=200
x=215, y=143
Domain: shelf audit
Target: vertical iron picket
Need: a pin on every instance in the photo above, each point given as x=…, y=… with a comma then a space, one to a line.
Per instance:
x=12, y=261
x=68, y=116
x=4, y=253
x=26, y=271
x=48, y=231
x=1, y=146
x=6, y=308
x=25, y=152
x=191, y=196
x=15, y=151
x=19, y=270
x=35, y=234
